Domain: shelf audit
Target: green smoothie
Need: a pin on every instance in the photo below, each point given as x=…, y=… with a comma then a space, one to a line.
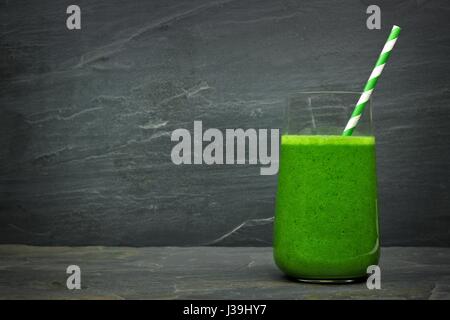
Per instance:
x=326, y=224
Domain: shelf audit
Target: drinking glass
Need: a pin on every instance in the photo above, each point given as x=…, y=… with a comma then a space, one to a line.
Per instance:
x=326, y=219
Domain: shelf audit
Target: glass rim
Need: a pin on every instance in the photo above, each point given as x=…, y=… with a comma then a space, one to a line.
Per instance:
x=293, y=94
x=297, y=98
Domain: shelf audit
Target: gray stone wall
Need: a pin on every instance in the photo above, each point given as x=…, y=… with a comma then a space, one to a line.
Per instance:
x=86, y=116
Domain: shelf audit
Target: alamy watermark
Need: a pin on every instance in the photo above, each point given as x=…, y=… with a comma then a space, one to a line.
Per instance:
x=74, y=280
x=374, y=278
x=374, y=20
x=236, y=146
x=73, y=22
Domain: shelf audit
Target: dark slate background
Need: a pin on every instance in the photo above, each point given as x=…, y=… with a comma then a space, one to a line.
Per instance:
x=86, y=116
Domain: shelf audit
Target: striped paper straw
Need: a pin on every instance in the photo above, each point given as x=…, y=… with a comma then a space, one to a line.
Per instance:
x=371, y=83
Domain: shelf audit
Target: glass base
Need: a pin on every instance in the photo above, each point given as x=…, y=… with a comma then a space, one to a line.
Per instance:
x=332, y=281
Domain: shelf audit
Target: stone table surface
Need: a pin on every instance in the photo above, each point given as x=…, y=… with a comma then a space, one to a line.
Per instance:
x=28, y=272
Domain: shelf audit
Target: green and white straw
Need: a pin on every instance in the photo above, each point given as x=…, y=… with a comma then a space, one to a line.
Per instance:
x=373, y=79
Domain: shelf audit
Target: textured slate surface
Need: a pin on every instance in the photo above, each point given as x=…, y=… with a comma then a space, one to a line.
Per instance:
x=205, y=273
x=86, y=116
